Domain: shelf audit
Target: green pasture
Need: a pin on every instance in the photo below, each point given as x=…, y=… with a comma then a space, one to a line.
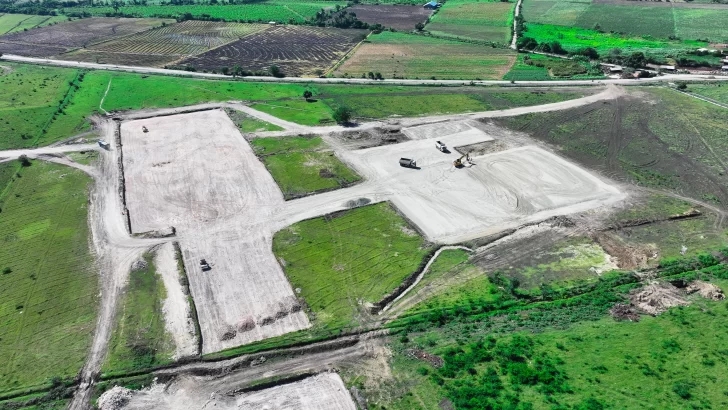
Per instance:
x=10, y=23
x=48, y=286
x=298, y=111
x=265, y=11
x=249, y=124
x=573, y=39
x=633, y=20
x=536, y=67
x=474, y=20
x=716, y=91
x=347, y=259
x=303, y=165
x=140, y=340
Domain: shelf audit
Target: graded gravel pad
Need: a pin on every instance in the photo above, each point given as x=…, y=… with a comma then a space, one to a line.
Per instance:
x=500, y=191
x=324, y=391
x=196, y=172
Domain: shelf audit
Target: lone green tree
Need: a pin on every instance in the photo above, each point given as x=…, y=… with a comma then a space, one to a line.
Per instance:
x=24, y=161
x=307, y=95
x=342, y=115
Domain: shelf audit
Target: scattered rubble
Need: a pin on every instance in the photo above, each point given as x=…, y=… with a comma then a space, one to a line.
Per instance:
x=657, y=298
x=115, y=398
x=705, y=289
x=623, y=311
x=435, y=361
x=139, y=265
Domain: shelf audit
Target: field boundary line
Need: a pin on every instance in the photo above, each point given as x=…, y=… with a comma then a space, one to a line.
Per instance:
x=17, y=25
x=346, y=56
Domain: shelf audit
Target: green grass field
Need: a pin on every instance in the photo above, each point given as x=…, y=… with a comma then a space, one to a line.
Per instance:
x=344, y=260
x=474, y=20
x=10, y=23
x=637, y=20
x=265, y=11
x=573, y=39
x=140, y=340
x=48, y=287
x=399, y=55
x=303, y=165
x=714, y=91
x=535, y=67
x=248, y=124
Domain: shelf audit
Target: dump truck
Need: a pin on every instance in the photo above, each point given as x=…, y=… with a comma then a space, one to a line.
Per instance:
x=204, y=265
x=407, y=163
x=103, y=144
x=440, y=146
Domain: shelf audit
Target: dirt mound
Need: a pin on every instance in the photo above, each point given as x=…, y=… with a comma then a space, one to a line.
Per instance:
x=246, y=324
x=656, y=298
x=435, y=361
x=114, y=399
x=705, y=289
x=622, y=311
x=227, y=333
x=627, y=256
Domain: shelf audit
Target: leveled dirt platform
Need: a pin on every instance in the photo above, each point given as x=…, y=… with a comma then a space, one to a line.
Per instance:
x=196, y=172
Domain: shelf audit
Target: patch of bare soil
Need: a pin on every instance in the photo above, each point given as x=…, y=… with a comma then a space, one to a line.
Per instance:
x=372, y=137
x=623, y=311
x=706, y=290
x=627, y=256
x=484, y=148
x=115, y=398
x=657, y=298
x=435, y=361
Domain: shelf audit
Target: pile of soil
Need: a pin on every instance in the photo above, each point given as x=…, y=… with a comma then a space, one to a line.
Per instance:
x=705, y=289
x=657, y=298
x=623, y=311
x=435, y=361
x=373, y=137
x=627, y=256
x=115, y=398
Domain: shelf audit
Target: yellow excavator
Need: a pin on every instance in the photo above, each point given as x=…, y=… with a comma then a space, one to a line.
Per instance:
x=462, y=161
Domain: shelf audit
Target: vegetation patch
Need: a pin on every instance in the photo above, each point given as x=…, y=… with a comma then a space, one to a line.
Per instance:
x=303, y=165
x=140, y=340
x=345, y=260
x=474, y=20
x=248, y=124
x=10, y=23
x=48, y=286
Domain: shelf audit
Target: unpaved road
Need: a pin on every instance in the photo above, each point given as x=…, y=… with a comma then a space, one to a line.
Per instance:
x=147, y=70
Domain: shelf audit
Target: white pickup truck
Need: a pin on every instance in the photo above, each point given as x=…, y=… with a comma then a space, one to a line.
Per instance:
x=441, y=146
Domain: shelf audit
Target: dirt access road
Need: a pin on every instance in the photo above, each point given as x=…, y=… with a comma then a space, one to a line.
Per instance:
x=162, y=71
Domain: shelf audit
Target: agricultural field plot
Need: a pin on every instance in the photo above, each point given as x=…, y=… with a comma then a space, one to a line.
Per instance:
x=656, y=137
x=164, y=45
x=535, y=67
x=29, y=102
x=296, y=50
x=572, y=39
x=258, y=12
x=303, y=165
x=74, y=34
x=48, y=286
x=10, y=23
x=715, y=91
x=474, y=20
x=402, y=18
x=397, y=55
x=218, y=209
x=633, y=18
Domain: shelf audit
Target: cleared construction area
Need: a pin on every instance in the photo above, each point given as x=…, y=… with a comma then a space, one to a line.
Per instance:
x=196, y=172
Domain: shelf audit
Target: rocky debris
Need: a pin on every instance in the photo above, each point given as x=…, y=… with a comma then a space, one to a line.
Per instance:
x=561, y=221
x=115, y=398
x=657, y=298
x=625, y=255
x=623, y=311
x=355, y=203
x=266, y=320
x=292, y=304
x=435, y=361
x=258, y=361
x=228, y=333
x=705, y=289
x=138, y=265
x=160, y=233
x=246, y=324
x=281, y=311
x=359, y=397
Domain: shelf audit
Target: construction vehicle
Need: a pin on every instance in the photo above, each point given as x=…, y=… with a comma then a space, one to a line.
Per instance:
x=103, y=144
x=204, y=265
x=463, y=161
x=441, y=146
x=407, y=163
x=144, y=128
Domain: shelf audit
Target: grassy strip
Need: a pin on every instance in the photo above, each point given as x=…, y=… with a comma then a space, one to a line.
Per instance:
x=303, y=165
x=47, y=283
x=140, y=340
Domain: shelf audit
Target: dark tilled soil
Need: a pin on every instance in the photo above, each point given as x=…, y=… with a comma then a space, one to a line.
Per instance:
x=296, y=50
x=29, y=50
x=402, y=18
